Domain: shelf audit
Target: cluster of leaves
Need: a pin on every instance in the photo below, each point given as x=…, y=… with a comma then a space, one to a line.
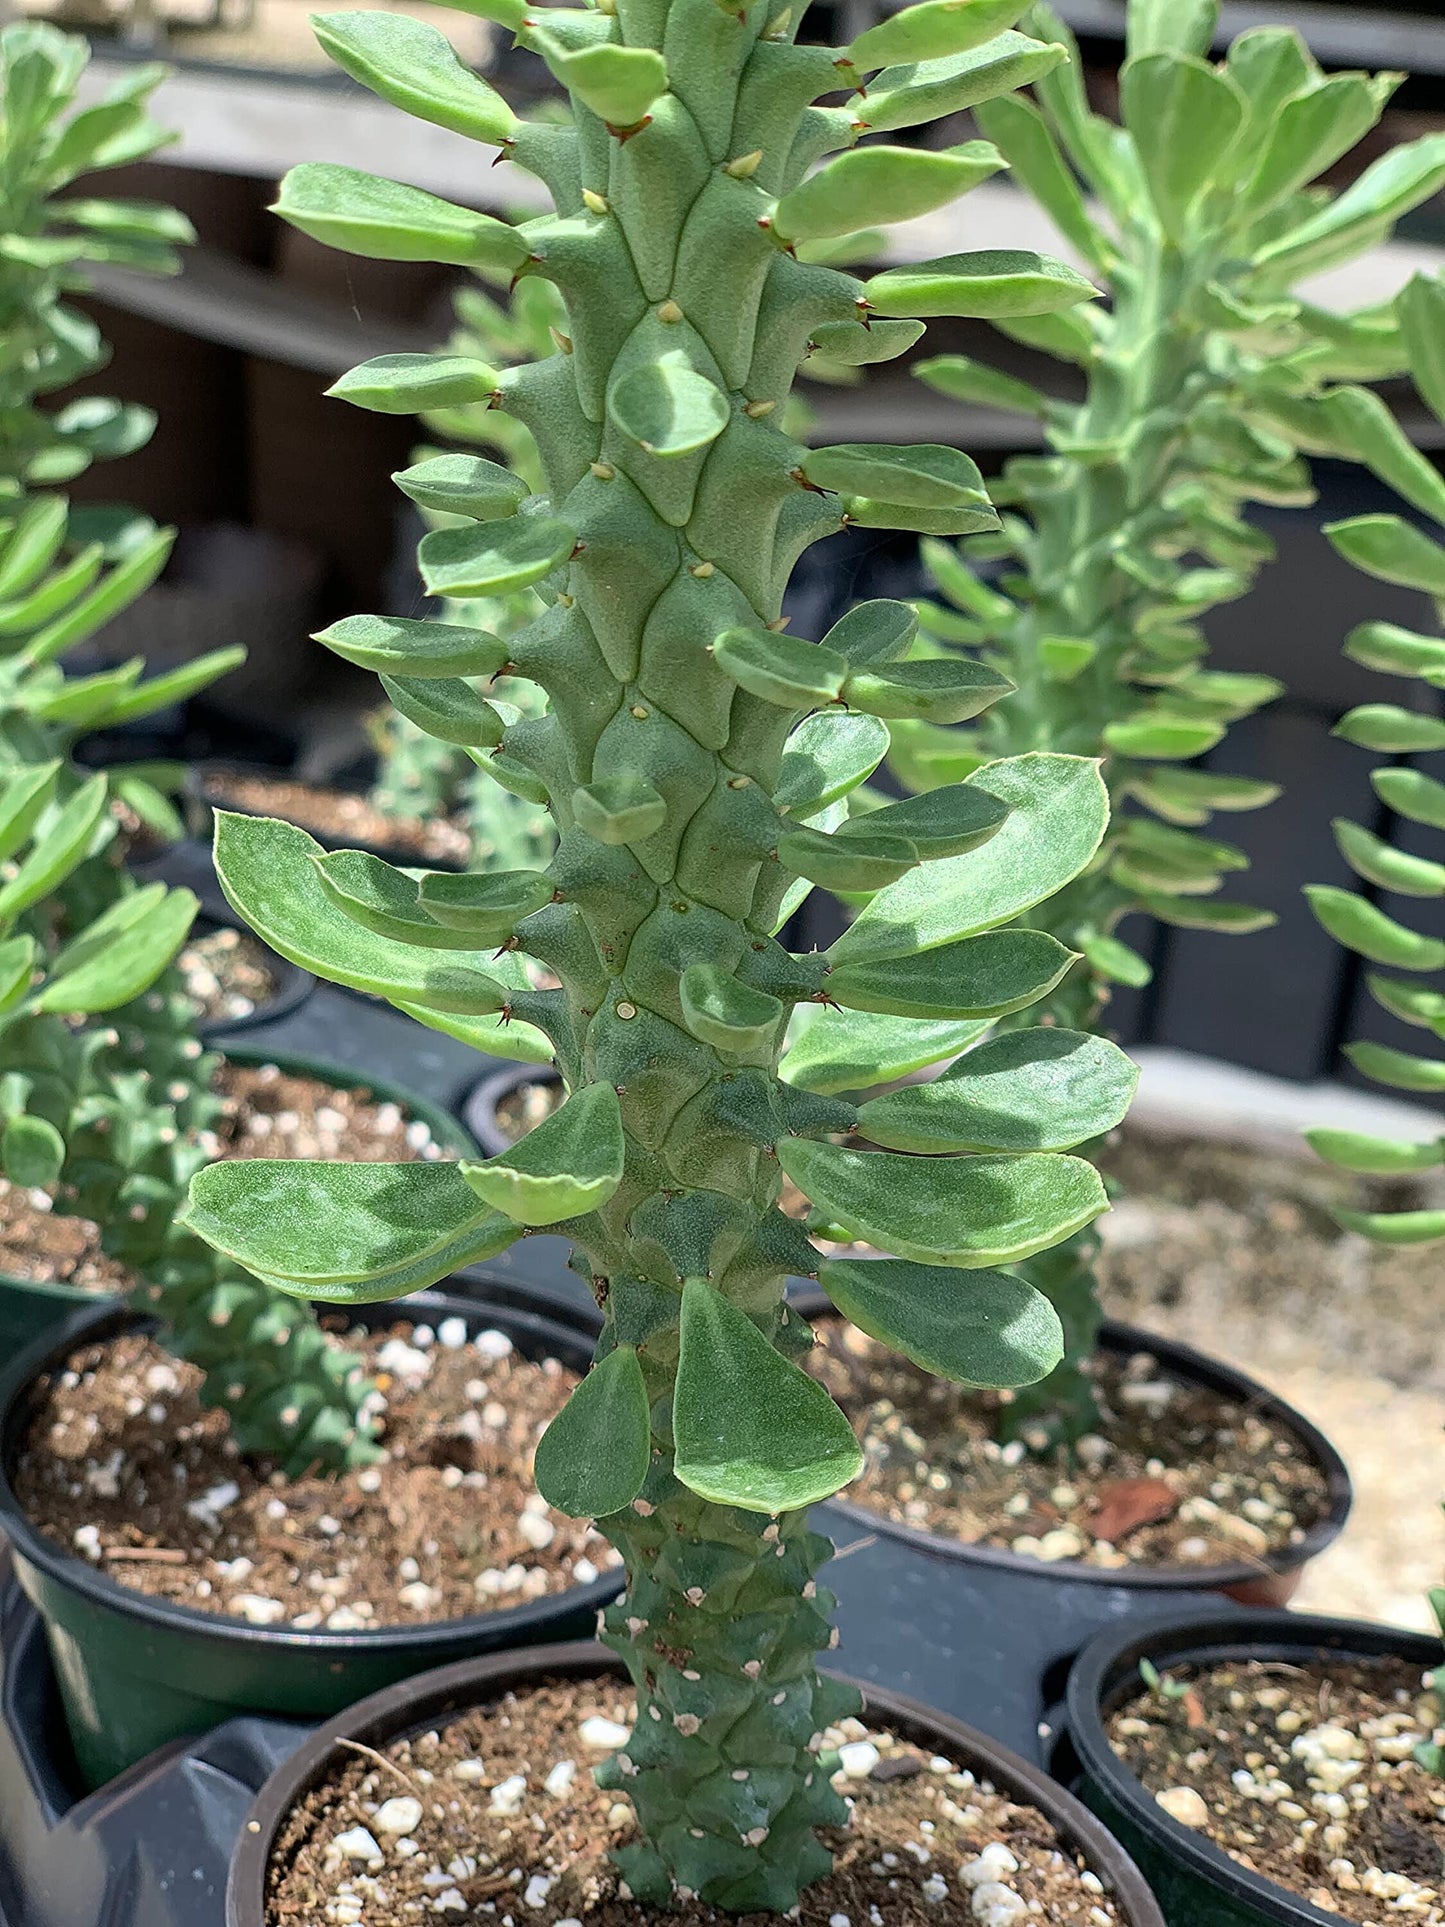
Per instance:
x=697, y=763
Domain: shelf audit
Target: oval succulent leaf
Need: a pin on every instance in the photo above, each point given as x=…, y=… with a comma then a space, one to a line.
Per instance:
x=781, y=669
x=593, y=1458
x=485, y=906
x=826, y=758
x=404, y=646
x=987, y=286
x=915, y=91
x=494, y=558
x=413, y=65
x=1168, y=738
x=1370, y=857
x=367, y=214
x=467, y=485
x=874, y=632
x=932, y=30
x=23, y=800
x=1398, y=1068
x=853, y=1050
x=413, y=384
x=752, y=1430
x=944, y=822
x=1411, y=793
x=1392, y=549
x=729, y=1015
x=1365, y=928
x=569, y=1165
x=965, y=1213
x=837, y=862
x=852, y=345
x=381, y=898
x=979, y=1328
x=878, y=185
x=936, y=690
x=85, y=981
x=984, y=976
x=32, y=1152
x=353, y=1233
x=1378, y=1157
x=618, y=84
x=1030, y=1090
x=927, y=476
x=1183, y=117
x=1385, y=726
x=667, y=407
x=447, y=708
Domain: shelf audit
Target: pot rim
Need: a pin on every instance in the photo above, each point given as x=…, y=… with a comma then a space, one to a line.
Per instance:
x=107, y=1320
x=426, y=1699
x=1183, y=1362
x=296, y=982
x=1111, y=1659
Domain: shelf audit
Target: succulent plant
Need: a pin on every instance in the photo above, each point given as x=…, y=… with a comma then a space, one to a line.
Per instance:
x=696, y=761
x=64, y=573
x=1206, y=380
x=1371, y=921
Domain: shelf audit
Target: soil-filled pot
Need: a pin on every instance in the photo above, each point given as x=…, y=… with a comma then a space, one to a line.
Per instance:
x=428, y=1704
x=339, y=818
x=274, y=989
x=453, y=1138
x=1197, y=1882
x=136, y=1670
x=486, y=1107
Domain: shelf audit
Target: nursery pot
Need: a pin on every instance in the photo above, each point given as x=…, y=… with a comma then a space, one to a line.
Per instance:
x=200, y=806
x=479, y=1106
x=1197, y=1883
x=445, y=1129
x=419, y=1705
x=136, y=1671
x=293, y=984
x=1267, y=1581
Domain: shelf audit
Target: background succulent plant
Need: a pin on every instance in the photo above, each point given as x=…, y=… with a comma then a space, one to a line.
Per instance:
x=697, y=760
x=1207, y=379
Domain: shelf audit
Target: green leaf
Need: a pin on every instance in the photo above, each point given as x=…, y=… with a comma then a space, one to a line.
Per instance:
x=24, y=794
x=985, y=286
x=1059, y=810
x=498, y=1036
x=984, y=976
x=1183, y=117
x=915, y=92
x=447, y=708
x=176, y=686
x=987, y=1328
x=1395, y=1227
x=846, y=863
x=1421, y=310
x=1165, y=737
x=618, y=84
x=964, y=1212
x=781, y=669
x=667, y=407
x=874, y=632
x=1228, y=919
x=1384, y=726
x=1397, y=1068
x=1190, y=795
x=402, y=646
x=1364, y=927
x=855, y=346
x=927, y=476
x=1029, y=1090
x=963, y=379
x=90, y=977
x=750, y=1429
x=1399, y=181
x=1309, y=134
x=413, y=65
x=493, y=558
x=485, y=906
x=569, y=1165
x=826, y=757
x=114, y=592
x=619, y=809
x=1392, y=549
x=32, y=544
x=1107, y=957
x=348, y=1233
x=1379, y=1157
x=368, y=214
x=593, y=1458
x=877, y=185
x=1410, y=792
x=416, y=384
x=270, y=876
x=1360, y=423
x=943, y=822
x=60, y=847
x=1396, y=870
x=725, y=1013
x=1171, y=27
x=869, y=512
x=32, y=1152
x=850, y=1050
x=17, y=970
x=932, y=30
x=936, y=690
x=1395, y=651
x=380, y=898
x=1025, y=140
x=462, y=484
x=1411, y=1003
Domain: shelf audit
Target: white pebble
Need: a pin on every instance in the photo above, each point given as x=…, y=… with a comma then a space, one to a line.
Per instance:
x=403, y=1360
x=493, y=1344
x=1183, y=1804
x=858, y=1759
x=538, y=1533
x=452, y=1333
x=357, y=1844
x=451, y=1902
x=509, y=1795
x=584, y=1572
x=599, y=1731
x=419, y=1597
x=469, y=1771
x=397, y=1816
x=87, y=1541
x=995, y=1905
x=839, y=1920
x=537, y=1889
x=258, y=1609
x=994, y=1864
x=935, y=1888
x=560, y=1778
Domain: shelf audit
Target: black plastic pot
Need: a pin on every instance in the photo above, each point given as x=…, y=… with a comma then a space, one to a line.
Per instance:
x=136, y=1672
x=1198, y=1885
x=479, y=1106
x=420, y=1705
x=293, y=984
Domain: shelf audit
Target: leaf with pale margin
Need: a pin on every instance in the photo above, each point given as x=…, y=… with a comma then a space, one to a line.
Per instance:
x=593, y=1458
x=978, y=1328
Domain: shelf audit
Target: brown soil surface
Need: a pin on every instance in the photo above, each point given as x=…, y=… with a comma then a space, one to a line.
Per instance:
x=501, y=1808
x=1303, y=1773
x=529, y=1105
x=228, y=974
x=1175, y=1475
x=337, y=816
x=269, y=1113
x=125, y=1467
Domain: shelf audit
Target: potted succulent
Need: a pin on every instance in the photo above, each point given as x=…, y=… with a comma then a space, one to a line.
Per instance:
x=1337, y=1719
x=1206, y=381
x=695, y=759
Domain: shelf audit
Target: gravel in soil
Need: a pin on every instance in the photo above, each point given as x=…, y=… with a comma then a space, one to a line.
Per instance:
x=228, y=974
x=124, y=1466
x=498, y=1817
x=338, y=816
x=268, y=1113
x=1303, y=1773
x=1176, y=1475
